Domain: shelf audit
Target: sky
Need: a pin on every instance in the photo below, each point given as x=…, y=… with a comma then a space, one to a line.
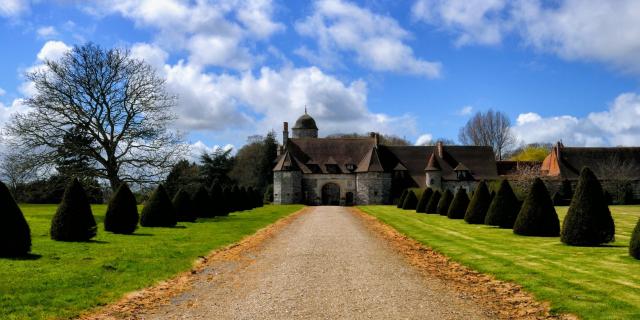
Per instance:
x=560, y=70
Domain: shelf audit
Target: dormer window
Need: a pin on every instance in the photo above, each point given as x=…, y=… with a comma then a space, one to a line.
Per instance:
x=462, y=172
x=351, y=167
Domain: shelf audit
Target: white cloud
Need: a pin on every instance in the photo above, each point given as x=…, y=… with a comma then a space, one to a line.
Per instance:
x=465, y=111
x=46, y=32
x=591, y=30
x=616, y=126
x=7, y=111
x=151, y=54
x=198, y=148
x=2, y=92
x=13, y=8
x=424, y=139
x=53, y=50
x=377, y=41
x=213, y=33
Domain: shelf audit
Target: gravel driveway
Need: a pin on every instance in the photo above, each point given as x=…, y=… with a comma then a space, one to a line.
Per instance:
x=324, y=265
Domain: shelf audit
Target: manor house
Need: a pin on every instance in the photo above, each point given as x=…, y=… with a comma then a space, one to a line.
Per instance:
x=350, y=171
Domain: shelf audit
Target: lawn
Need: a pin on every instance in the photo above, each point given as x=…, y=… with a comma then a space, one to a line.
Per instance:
x=63, y=279
x=592, y=282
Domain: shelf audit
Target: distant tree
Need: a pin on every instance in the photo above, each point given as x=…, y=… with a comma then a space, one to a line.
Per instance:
x=492, y=128
x=122, y=212
x=108, y=96
x=459, y=205
x=215, y=167
x=183, y=175
x=387, y=140
x=530, y=152
x=254, y=162
x=444, y=141
x=504, y=208
x=15, y=235
x=588, y=221
x=73, y=221
x=619, y=174
x=537, y=216
x=158, y=211
x=444, y=203
x=421, y=207
x=15, y=172
x=477, y=210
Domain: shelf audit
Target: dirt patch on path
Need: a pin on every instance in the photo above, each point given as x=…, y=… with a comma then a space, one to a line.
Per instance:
x=505, y=300
x=238, y=254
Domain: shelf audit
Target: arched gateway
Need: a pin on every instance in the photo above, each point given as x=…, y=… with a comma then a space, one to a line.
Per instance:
x=331, y=194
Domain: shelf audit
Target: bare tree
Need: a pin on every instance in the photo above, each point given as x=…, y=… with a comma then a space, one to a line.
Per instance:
x=14, y=172
x=619, y=174
x=489, y=129
x=117, y=101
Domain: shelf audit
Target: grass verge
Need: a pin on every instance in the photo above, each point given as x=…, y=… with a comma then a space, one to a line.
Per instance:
x=592, y=282
x=62, y=279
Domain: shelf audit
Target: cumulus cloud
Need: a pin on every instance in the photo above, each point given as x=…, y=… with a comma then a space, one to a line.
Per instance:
x=424, y=139
x=592, y=30
x=53, y=50
x=7, y=111
x=198, y=148
x=377, y=41
x=616, y=126
x=46, y=32
x=213, y=33
x=13, y=8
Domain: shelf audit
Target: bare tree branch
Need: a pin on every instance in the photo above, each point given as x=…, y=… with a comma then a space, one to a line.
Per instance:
x=492, y=128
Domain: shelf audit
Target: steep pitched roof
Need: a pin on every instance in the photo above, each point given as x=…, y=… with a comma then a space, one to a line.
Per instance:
x=331, y=151
x=572, y=160
x=370, y=162
x=433, y=164
x=286, y=162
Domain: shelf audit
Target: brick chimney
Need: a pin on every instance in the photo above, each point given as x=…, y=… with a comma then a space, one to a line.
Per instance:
x=439, y=149
x=285, y=133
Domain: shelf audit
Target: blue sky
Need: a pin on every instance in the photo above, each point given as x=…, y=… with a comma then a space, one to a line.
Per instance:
x=564, y=69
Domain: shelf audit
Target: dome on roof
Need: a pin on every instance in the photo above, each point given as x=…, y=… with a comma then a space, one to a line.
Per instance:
x=305, y=122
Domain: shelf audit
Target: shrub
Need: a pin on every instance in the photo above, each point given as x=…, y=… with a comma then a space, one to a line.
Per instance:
x=479, y=204
x=158, y=211
x=15, y=235
x=410, y=201
x=588, y=221
x=402, y=196
x=73, y=220
x=445, y=201
x=122, y=212
x=421, y=207
x=627, y=196
x=226, y=203
x=634, y=245
x=215, y=205
x=537, y=217
x=184, y=207
x=259, y=198
x=432, y=206
x=244, y=202
x=268, y=194
x=200, y=202
x=459, y=204
x=566, y=191
x=504, y=207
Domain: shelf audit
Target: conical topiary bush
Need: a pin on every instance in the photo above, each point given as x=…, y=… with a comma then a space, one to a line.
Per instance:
x=634, y=244
x=184, y=207
x=588, y=221
x=158, y=211
x=537, y=217
x=215, y=198
x=410, y=201
x=566, y=191
x=15, y=235
x=200, y=202
x=479, y=204
x=401, y=199
x=504, y=208
x=432, y=206
x=445, y=201
x=226, y=200
x=122, y=212
x=73, y=220
x=459, y=205
x=421, y=207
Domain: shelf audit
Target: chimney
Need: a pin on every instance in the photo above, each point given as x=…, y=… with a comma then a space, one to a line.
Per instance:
x=285, y=133
x=376, y=137
x=439, y=149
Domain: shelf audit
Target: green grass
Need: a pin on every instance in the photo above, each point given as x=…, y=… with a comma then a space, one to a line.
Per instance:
x=66, y=278
x=592, y=282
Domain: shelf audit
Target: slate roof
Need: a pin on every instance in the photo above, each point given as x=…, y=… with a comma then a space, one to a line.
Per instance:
x=305, y=122
x=573, y=159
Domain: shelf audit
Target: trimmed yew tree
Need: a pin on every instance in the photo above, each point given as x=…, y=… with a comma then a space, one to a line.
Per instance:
x=588, y=221
x=122, y=212
x=634, y=245
x=432, y=206
x=537, y=217
x=459, y=204
x=445, y=201
x=158, y=211
x=479, y=204
x=184, y=207
x=421, y=207
x=74, y=220
x=216, y=206
x=504, y=208
x=410, y=201
x=200, y=202
x=15, y=235
x=401, y=199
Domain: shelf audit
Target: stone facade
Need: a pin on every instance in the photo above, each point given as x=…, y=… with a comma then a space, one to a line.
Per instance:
x=287, y=187
x=373, y=188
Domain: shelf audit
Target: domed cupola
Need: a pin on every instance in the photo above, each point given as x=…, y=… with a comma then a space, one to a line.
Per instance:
x=305, y=127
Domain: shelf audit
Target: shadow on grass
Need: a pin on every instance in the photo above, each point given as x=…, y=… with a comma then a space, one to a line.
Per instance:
x=140, y=234
x=28, y=256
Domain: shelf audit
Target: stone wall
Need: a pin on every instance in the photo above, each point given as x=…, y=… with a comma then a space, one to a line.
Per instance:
x=373, y=188
x=287, y=187
x=312, y=186
x=454, y=185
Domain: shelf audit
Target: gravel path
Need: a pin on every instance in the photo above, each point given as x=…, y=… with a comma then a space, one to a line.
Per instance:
x=324, y=265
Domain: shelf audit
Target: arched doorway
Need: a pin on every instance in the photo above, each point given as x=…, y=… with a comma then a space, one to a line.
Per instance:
x=331, y=194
